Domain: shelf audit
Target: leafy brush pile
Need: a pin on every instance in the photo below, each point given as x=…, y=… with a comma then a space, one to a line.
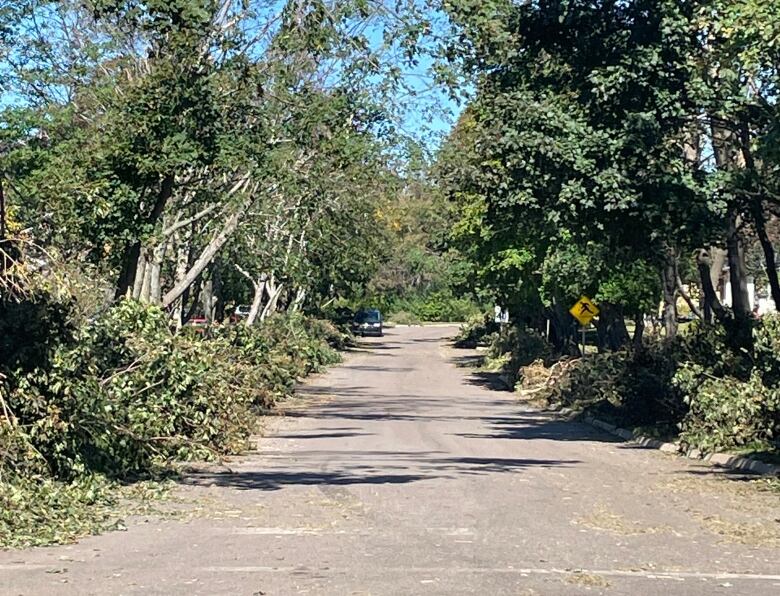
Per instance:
x=715, y=396
x=39, y=510
x=121, y=397
x=627, y=388
x=733, y=395
x=479, y=330
x=513, y=348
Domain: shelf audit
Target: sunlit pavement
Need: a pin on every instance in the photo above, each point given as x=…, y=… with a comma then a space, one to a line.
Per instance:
x=409, y=473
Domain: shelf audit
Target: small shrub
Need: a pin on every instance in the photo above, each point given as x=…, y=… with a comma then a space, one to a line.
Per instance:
x=404, y=318
x=477, y=331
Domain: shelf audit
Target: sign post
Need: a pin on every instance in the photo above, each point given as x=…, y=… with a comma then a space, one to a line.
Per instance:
x=501, y=315
x=584, y=311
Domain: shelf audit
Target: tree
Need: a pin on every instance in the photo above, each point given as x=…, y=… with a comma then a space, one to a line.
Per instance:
x=154, y=133
x=589, y=119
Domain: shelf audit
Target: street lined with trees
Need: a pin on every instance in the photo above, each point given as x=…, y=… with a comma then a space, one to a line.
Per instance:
x=195, y=194
x=163, y=163
x=626, y=151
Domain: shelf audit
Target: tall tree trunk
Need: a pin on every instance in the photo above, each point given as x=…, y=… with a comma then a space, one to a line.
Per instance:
x=739, y=330
x=209, y=252
x=146, y=284
x=207, y=298
x=740, y=300
x=770, y=258
x=669, y=285
x=759, y=218
x=128, y=272
x=194, y=294
x=712, y=304
x=257, y=300
x=639, y=332
x=140, y=273
x=131, y=266
x=152, y=293
x=611, y=328
x=297, y=303
x=274, y=293
x=717, y=263
x=216, y=280
x=182, y=243
x=730, y=157
x=563, y=333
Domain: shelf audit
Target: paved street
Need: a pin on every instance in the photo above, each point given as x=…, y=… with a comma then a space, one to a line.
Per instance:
x=407, y=473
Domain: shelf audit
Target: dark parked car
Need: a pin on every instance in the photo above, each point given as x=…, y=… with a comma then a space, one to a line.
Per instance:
x=368, y=322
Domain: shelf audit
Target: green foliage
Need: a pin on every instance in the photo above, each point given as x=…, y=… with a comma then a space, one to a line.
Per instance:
x=766, y=350
x=441, y=306
x=718, y=396
x=422, y=275
x=629, y=388
x=726, y=412
x=403, y=317
x=124, y=396
x=39, y=511
x=477, y=331
x=733, y=396
x=127, y=395
x=31, y=330
x=516, y=347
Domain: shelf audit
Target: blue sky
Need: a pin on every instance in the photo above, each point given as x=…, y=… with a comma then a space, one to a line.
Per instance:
x=424, y=110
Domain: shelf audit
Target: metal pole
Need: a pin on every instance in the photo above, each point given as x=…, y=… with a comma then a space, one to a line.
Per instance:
x=583, y=339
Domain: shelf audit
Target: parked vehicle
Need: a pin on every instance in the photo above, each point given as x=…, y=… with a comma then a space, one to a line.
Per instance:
x=368, y=322
x=240, y=313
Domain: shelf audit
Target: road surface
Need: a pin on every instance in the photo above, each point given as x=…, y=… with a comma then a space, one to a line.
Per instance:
x=406, y=474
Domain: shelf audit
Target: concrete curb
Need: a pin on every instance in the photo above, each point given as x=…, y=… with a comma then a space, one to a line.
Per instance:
x=723, y=460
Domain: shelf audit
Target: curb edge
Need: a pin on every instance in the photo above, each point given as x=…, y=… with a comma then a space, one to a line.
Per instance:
x=721, y=460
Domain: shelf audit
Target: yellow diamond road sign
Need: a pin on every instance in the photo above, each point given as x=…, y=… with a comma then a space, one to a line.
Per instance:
x=584, y=311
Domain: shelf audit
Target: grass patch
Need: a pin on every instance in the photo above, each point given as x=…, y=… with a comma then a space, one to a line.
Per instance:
x=587, y=580
x=751, y=534
x=604, y=519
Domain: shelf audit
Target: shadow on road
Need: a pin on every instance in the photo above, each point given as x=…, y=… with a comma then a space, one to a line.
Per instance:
x=340, y=468
x=488, y=380
x=536, y=424
x=479, y=378
x=379, y=369
x=540, y=425
x=276, y=480
x=324, y=435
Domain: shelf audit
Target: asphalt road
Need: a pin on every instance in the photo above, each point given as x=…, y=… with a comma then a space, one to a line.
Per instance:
x=405, y=473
